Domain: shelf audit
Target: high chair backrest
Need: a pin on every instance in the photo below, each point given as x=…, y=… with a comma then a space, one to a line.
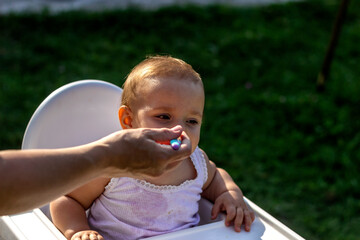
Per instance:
x=75, y=114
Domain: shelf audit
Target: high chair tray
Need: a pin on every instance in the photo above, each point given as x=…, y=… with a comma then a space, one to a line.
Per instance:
x=264, y=227
x=34, y=225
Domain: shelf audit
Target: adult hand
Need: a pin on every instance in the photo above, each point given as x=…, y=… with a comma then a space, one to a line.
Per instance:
x=136, y=151
x=31, y=178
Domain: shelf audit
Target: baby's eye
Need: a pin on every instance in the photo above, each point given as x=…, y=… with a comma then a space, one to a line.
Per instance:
x=192, y=121
x=163, y=116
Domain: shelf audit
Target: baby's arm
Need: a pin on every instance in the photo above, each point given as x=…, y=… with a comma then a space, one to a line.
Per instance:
x=227, y=196
x=69, y=212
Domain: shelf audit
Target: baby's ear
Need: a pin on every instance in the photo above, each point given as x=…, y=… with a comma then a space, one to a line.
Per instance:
x=125, y=117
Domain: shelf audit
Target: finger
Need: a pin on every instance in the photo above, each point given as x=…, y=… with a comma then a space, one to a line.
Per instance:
x=76, y=237
x=252, y=215
x=85, y=237
x=185, y=147
x=177, y=128
x=164, y=134
x=100, y=237
x=215, y=210
x=239, y=219
x=248, y=219
x=93, y=236
x=185, y=139
x=183, y=152
x=230, y=215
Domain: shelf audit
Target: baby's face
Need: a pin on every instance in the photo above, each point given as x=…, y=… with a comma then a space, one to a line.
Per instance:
x=170, y=102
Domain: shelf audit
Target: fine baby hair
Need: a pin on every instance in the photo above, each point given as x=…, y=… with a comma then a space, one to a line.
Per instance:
x=156, y=67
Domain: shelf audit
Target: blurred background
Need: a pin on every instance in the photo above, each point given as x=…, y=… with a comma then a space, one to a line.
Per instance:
x=294, y=150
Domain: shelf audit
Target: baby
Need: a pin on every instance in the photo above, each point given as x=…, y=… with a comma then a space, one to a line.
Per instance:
x=160, y=92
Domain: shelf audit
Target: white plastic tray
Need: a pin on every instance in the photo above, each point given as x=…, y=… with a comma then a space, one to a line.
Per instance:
x=34, y=225
x=265, y=227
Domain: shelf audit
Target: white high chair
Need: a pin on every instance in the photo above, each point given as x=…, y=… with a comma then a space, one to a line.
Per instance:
x=85, y=111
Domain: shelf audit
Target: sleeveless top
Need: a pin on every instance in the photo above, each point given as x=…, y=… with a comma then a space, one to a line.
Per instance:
x=133, y=209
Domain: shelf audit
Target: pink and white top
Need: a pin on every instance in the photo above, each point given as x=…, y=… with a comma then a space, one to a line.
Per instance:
x=134, y=209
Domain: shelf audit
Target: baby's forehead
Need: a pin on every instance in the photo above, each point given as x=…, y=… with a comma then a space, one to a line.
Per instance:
x=152, y=86
x=172, y=85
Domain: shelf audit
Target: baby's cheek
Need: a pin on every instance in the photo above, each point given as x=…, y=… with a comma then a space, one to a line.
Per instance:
x=194, y=143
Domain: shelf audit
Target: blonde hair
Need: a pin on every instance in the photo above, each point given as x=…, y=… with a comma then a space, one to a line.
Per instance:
x=156, y=67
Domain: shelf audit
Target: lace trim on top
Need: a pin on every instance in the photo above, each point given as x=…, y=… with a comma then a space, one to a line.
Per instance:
x=166, y=188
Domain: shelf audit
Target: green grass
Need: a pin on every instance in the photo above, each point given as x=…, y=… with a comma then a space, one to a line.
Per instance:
x=294, y=151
